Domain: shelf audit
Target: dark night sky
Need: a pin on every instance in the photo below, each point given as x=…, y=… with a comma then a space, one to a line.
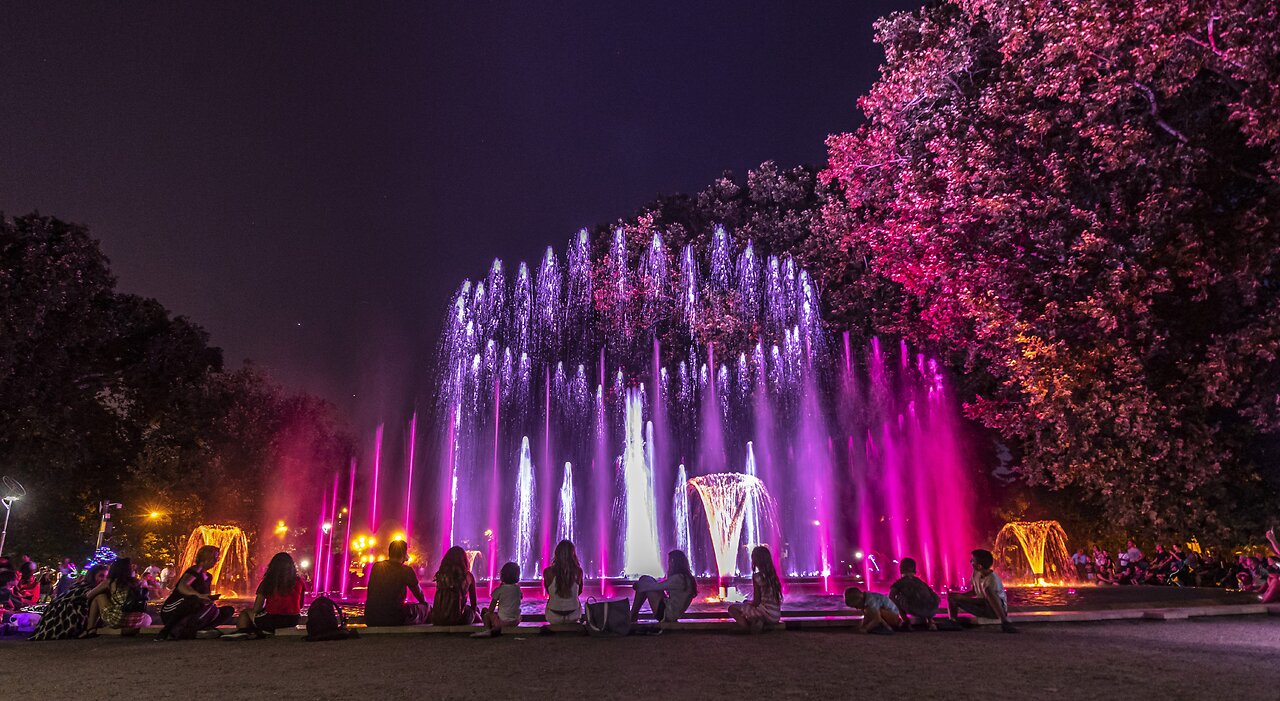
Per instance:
x=311, y=185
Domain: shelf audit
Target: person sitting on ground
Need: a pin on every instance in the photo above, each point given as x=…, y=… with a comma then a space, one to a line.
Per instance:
x=987, y=599
x=65, y=617
x=28, y=585
x=765, y=606
x=563, y=583
x=118, y=602
x=276, y=604
x=504, y=605
x=66, y=577
x=668, y=598
x=190, y=611
x=914, y=597
x=389, y=582
x=10, y=601
x=455, y=602
x=879, y=613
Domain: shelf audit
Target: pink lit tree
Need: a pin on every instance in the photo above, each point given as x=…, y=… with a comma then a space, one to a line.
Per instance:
x=1080, y=199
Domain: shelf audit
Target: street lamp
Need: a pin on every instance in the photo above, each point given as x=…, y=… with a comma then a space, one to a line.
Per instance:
x=104, y=524
x=13, y=491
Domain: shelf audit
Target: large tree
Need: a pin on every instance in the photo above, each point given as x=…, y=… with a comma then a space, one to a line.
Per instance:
x=105, y=395
x=1082, y=200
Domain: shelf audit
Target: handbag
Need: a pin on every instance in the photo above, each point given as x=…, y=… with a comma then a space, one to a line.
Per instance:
x=608, y=617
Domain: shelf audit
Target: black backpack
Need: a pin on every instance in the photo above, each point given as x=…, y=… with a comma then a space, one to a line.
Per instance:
x=326, y=621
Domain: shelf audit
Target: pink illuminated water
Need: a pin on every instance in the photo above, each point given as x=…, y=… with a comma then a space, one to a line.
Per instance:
x=610, y=361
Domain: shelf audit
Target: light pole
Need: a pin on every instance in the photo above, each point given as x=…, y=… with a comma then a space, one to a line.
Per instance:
x=105, y=508
x=13, y=492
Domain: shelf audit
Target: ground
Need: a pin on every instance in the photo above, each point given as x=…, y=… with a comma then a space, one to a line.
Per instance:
x=1193, y=659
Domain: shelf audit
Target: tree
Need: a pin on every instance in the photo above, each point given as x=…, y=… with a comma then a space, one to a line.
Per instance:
x=1081, y=200
x=106, y=395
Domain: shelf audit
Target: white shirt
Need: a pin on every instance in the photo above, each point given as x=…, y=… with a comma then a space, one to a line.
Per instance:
x=990, y=582
x=507, y=598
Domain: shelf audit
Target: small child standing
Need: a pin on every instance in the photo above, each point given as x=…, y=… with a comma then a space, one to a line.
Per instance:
x=504, y=608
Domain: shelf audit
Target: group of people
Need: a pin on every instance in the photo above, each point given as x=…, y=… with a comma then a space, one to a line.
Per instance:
x=116, y=596
x=1177, y=566
x=19, y=585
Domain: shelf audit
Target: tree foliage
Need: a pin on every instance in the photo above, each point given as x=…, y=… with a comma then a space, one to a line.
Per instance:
x=1081, y=200
x=105, y=395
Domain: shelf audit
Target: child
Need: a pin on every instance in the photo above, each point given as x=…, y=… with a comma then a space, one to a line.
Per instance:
x=879, y=614
x=914, y=597
x=765, y=606
x=987, y=600
x=504, y=608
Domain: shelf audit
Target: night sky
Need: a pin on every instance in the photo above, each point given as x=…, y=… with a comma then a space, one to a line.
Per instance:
x=311, y=184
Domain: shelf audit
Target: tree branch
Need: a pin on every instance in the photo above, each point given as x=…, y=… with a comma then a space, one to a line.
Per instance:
x=1154, y=109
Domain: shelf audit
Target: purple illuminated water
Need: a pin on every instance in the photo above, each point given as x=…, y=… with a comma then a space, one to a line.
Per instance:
x=620, y=362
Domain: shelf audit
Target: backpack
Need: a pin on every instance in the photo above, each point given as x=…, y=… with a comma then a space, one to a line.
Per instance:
x=326, y=621
x=608, y=617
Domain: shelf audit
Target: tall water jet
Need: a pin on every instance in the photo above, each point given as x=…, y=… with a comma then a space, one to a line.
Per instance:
x=564, y=529
x=751, y=519
x=522, y=524
x=640, y=550
x=725, y=497
x=373, y=485
x=408, y=480
x=1042, y=546
x=680, y=507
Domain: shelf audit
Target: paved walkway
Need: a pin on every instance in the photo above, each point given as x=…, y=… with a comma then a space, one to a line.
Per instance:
x=1194, y=659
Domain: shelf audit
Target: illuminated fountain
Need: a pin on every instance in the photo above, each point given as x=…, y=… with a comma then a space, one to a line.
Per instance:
x=728, y=498
x=1043, y=549
x=231, y=574
x=637, y=367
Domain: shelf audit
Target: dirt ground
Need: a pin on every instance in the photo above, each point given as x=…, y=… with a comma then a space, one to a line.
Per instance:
x=1194, y=659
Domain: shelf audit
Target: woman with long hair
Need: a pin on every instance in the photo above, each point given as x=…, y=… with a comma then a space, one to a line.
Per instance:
x=66, y=616
x=765, y=606
x=189, y=612
x=117, y=602
x=455, y=602
x=668, y=598
x=277, y=603
x=563, y=584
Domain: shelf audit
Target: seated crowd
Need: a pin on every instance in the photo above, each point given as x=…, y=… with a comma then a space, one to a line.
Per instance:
x=116, y=596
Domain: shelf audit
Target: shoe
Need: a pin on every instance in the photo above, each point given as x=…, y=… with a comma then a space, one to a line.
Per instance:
x=881, y=630
x=208, y=634
x=483, y=634
x=1008, y=627
x=88, y=634
x=162, y=636
x=238, y=635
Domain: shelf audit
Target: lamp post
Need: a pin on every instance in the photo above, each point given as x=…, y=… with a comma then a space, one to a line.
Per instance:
x=105, y=507
x=13, y=492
